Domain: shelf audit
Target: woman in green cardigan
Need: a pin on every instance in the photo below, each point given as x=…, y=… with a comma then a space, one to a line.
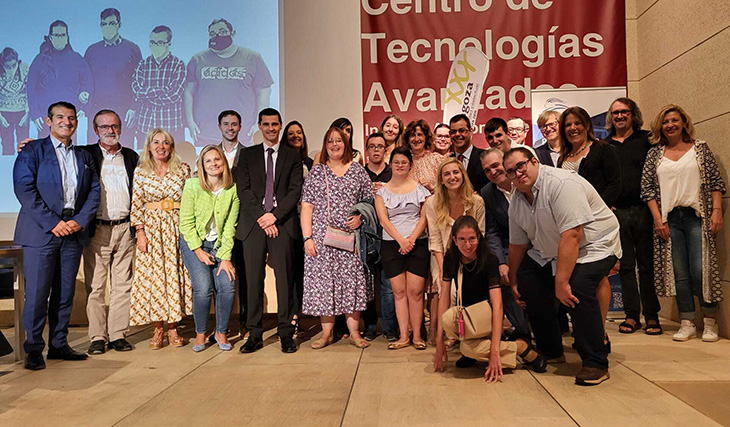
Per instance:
x=208, y=215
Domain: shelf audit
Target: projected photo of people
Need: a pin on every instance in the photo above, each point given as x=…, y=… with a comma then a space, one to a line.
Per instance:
x=58, y=73
x=170, y=64
x=225, y=77
x=112, y=61
x=14, y=111
x=158, y=86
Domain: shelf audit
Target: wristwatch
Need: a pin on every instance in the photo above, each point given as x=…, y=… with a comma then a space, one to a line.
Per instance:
x=307, y=238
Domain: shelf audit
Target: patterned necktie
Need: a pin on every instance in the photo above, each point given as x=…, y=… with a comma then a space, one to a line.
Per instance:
x=269, y=196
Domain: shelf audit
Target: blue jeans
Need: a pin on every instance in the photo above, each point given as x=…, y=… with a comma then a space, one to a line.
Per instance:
x=205, y=282
x=685, y=230
x=387, y=304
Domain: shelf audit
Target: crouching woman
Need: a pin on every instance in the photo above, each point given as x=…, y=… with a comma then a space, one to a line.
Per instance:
x=477, y=317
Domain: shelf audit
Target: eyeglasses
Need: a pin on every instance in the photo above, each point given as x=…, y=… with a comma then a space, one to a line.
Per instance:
x=221, y=32
x=471, y=240
x=400, y=163
x=515, y=130
x=520, y=167
x=107, y=127
x=112, y=23
x=159, y=43
x=376, y=147
x=551, y=125
x=462, y=131
x=58, y=35
x=617, y=113
x=337, y=141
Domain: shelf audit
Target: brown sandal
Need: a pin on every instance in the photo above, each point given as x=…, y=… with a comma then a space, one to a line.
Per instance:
x=174, y=338
x=359, y=342
x=157, y=340
x=321, y=343
x=419, y=345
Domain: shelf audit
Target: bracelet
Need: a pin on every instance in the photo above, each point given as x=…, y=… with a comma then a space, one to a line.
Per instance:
x=307, y=238
x=716, y=209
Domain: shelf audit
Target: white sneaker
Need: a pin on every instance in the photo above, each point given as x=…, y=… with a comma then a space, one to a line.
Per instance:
x=686, y=331
x=710, y=332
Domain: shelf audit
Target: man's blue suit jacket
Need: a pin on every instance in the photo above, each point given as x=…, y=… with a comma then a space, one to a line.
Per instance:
x=39, y=189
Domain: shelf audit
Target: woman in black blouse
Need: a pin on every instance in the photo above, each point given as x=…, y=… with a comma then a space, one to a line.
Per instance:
x=294, y=137
x=475, y=269
x=598, y=163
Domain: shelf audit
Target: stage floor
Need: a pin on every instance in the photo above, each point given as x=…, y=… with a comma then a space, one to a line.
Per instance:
x=654, y=381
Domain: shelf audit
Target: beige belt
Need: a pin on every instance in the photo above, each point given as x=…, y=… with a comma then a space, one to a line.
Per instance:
x=165, y=204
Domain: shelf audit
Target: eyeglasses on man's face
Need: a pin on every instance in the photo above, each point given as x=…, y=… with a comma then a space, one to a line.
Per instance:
x=520, y=167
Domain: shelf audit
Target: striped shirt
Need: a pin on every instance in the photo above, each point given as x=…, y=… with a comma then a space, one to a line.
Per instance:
x=158, y=90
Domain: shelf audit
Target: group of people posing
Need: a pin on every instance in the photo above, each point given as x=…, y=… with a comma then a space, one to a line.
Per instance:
x=424, y=218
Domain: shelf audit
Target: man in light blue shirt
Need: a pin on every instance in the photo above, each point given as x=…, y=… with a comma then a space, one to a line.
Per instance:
x=575, y=239
x=58, y=190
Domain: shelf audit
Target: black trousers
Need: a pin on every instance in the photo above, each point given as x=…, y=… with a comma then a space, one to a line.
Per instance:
x=586, y=315
x=637, y=230
x=297, y=251
x=240, y=266
x=255, y=248
x=536, y=285
x=516, y=316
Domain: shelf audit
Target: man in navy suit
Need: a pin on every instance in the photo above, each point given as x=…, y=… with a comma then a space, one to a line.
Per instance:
x=58, y=191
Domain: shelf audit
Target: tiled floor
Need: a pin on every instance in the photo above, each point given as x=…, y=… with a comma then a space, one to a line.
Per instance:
x=654, y=381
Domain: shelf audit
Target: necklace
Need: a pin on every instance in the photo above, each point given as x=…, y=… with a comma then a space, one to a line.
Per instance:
x=470, y=269
x=583, y=147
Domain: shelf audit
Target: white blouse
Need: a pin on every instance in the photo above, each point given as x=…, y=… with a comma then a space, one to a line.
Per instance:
x=679, y=183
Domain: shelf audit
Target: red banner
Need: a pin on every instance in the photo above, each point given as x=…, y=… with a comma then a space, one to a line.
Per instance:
x=408, y=46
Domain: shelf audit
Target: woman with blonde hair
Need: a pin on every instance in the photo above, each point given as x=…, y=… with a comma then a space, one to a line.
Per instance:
x=682, y=186
x=161, y=290
x=208, y=215
x=453, y=197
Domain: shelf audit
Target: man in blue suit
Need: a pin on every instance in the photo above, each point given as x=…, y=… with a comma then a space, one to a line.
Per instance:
x=58, y=191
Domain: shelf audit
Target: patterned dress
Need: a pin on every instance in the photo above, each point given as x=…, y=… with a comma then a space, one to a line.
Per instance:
x=161, y=289
x=425, y=167
x=335, y=281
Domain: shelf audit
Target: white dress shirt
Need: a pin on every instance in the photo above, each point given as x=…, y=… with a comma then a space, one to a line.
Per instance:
x=115, y=201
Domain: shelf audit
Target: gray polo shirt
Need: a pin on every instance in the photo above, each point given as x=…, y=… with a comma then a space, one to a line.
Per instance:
x=563, y=200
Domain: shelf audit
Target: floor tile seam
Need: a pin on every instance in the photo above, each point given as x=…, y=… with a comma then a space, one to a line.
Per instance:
x=657, y=385
x=164, y=390
x=352, y=386
x=553, y=397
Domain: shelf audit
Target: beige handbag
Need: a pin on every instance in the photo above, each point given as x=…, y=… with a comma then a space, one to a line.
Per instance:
x=474, y=321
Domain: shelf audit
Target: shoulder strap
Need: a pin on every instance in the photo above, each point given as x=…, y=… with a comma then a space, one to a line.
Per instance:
x=459, y=282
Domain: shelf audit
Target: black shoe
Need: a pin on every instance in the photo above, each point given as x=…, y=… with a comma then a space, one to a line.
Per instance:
x=120, y=345
x=97, y=347
x=390, y=336
x=34, y=361
x=590, y=375
x=538, y=364
x=465, y=362
x=370, y=334
x=252, y=345
x=288, y=345
x=66, y=353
